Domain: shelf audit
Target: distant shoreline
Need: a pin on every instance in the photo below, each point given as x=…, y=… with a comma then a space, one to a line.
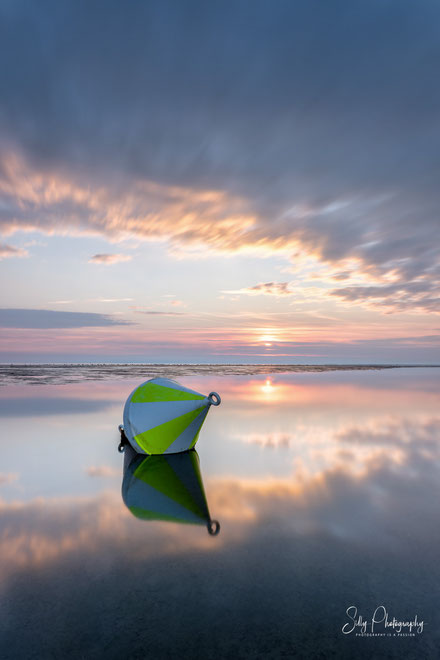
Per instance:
x=58, y=373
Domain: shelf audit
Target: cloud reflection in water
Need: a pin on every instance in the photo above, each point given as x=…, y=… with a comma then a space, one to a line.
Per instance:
x=342, y=510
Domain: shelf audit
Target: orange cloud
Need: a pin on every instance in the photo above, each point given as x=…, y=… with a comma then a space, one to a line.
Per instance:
x=265, y=288
x=8, y=251
x=196, y=221
x=53, y=203
x=109, y=259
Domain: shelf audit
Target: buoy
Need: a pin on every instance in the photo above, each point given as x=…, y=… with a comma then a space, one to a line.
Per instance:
x=167, y=488
x=163, y=417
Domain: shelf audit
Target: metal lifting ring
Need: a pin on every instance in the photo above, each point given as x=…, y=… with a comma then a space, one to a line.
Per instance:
x=213, y=527
x=214, y=399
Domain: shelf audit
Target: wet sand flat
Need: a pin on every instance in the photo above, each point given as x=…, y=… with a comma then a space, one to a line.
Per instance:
x=70, y=373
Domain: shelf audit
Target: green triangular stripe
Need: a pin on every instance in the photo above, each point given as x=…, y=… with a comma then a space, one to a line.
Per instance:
x=156, y=472
x=139, y=512
x=196, y=488
x=196, y=467
x=159, y=438
x=151, y=392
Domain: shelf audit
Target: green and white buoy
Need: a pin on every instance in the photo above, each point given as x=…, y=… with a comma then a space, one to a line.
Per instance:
x=163, y=417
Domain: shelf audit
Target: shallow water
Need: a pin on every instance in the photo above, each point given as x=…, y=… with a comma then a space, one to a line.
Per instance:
x=326, y=486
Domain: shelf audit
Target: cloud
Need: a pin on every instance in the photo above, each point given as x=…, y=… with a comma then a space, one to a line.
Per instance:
x=102, y=471
x=110, y=300
x=7, y=251
x=417, y=295
x=155, y=312
x=45, y=406
x=267, y=288
x=223, y=340
x=308, y=133
x=46, y=319
x=109, y=259
x=45, y=530
x=100, y=300
x=53, y=202
x=410, y=436
x=275, y=440
x=61, y=302
x=7, y=478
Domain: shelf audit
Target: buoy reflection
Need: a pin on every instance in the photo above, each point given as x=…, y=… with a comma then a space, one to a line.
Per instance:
x=166, y=487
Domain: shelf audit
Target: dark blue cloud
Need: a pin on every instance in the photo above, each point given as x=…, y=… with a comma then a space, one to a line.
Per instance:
x=47, y=319
x=173, y=90
x=299, y=102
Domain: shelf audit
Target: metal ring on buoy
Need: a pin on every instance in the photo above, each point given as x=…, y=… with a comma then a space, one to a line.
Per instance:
x=214, y=399
x=121, y=447
x=213, y=527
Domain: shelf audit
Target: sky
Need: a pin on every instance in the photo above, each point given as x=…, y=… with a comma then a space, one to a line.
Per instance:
x=234, y=181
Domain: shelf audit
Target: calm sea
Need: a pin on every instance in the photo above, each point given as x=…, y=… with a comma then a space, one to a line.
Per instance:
x=325, y=484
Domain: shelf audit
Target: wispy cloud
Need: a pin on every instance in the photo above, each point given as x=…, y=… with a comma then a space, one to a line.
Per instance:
x=102, y=471
x=99, y=300
x=402, y=296
x=109, y=259
x=265, y=288
x=411, y=436
x=156, y=312
x=7, y=478
x=111, y=300
x=8, y=251
x=57, y=203
x=276, y=440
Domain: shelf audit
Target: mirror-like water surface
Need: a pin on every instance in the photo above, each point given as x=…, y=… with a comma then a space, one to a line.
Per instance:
x=326, y=488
